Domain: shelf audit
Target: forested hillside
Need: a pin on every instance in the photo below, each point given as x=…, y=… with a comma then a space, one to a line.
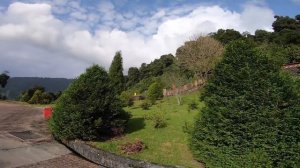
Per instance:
x=16, y=85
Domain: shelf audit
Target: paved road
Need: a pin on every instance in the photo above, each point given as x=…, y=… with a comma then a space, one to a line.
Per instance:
x=26, y=142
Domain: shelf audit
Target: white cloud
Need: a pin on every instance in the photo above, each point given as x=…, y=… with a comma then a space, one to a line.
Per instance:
x=33, y=42
x=296, y=1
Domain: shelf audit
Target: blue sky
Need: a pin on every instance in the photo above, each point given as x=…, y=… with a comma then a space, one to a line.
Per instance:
x=60, y=38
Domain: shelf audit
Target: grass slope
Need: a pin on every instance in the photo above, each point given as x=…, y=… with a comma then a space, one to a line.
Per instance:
x=168, y=145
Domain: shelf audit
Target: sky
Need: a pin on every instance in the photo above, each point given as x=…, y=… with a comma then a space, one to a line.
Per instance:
x=61, y=38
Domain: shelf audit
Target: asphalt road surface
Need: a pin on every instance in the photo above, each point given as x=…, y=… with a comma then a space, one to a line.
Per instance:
x=26, y=142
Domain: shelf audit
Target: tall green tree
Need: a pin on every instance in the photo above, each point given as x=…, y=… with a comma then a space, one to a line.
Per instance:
x=3, y=79
x=252, y=113
x=133, y=76
x=116, y=73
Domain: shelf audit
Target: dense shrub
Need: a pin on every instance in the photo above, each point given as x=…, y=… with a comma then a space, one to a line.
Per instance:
x=192, y=105
x=159, y=120
x=145, y=105
x=155, y=91
x=89, y=108
x=252, y=114
x=126, y=98
x=38, y=95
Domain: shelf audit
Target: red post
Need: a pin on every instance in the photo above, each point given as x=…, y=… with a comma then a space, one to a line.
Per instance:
x=47, y=112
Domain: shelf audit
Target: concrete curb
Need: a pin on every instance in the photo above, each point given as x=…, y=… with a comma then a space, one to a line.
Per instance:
x=107, y=159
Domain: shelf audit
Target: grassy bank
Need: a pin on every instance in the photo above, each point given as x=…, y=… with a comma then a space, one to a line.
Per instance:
x=168, y=145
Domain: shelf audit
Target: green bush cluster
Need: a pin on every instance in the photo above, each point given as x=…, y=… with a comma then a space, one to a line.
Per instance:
x=159, y=119
x=126, y=98
x=192, y=105
x=252, y=113
x=155, y=92
x=89, y=108
x=145, y=105
x=38, y=95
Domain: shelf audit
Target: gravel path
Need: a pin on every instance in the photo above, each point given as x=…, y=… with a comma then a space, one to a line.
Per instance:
x=69, y=160
x=25, y=140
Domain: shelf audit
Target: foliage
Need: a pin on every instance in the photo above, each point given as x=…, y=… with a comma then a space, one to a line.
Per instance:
x=192, y=105
x=157, y=67
x=155, y=92
x=126, y=98
x=250, y=115
x=116, y=73
x=3, y=79
x=200, y=55
x=133, y=76
x=38, y=95
x=88, y=108
x=226, y=36
x=281, y=54
x=286, y=30
x=159, y=120
x=262, y=36
x=285, y=22
x=145, y=105
x=144, y=84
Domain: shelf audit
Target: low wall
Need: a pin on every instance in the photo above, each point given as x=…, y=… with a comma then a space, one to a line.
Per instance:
x=106, y=159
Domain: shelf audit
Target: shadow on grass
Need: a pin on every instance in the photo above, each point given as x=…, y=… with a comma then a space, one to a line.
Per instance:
x=135, y=124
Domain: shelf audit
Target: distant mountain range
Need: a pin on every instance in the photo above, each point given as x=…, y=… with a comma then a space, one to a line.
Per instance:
x=16, y=85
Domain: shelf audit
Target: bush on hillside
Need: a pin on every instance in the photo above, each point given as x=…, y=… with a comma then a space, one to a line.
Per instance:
x=192, y=105
x=252, y=114
x=126, y=98
x=159, y=120
x=155, y=91
x=145, y=105
x=88, y=109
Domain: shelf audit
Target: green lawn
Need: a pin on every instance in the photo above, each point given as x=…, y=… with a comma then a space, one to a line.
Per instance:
x=168, y=145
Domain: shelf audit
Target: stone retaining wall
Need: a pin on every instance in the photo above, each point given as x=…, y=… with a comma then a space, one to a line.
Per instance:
x=190, y=87
x=106, y=159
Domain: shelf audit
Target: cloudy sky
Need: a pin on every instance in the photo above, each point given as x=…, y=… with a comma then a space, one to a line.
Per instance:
x=60, y=38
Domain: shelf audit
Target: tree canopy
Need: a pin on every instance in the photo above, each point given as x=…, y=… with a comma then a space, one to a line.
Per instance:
x=200, y=55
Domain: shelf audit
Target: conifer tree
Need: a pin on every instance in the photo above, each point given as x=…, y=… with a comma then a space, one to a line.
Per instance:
x=252, y=115
x=116, y=73
x=88, y=108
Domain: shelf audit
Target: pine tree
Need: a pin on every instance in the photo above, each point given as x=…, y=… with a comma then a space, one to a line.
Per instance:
x=116, y=73
x=251, y=117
